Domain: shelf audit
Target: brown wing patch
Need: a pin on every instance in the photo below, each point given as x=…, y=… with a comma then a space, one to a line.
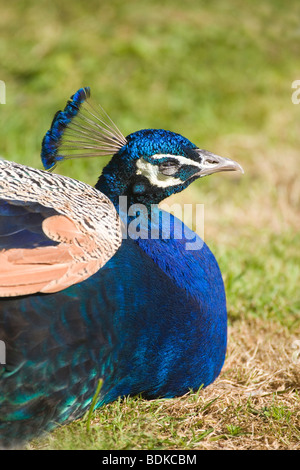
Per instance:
x=47, y=269
x=86, y=227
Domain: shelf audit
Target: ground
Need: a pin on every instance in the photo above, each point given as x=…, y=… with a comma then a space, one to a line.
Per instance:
x=221, y=74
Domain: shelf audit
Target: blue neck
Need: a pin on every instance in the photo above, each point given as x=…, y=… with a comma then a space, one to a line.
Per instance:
x=175, y=248
x=170, y=243
x=185, y=316
x=198, y=316
x=180, y=253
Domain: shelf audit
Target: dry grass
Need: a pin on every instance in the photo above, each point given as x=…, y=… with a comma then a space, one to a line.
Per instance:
x=221, y=74
x=254, y=404
x=258, y=404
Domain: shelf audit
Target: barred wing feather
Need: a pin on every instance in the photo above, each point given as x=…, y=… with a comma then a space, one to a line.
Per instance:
x=54, y=231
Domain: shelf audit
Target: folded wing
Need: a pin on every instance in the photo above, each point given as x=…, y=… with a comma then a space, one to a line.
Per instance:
x=54, y=231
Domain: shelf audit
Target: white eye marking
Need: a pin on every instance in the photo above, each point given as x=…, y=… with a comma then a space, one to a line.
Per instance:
x=155, y=176
x=152, y=173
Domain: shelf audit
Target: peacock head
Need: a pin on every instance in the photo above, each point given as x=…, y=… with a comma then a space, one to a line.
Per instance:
x=147, y=166
x=157, y=163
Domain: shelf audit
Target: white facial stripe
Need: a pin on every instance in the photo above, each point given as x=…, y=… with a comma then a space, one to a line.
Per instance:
x=182, y=160
x=152, y=173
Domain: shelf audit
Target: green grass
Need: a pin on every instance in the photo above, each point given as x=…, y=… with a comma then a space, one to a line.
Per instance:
x=220, y=73
x=268, y=290
x=191, y=422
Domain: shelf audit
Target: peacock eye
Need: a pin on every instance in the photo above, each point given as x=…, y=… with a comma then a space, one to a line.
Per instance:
x=168, y=167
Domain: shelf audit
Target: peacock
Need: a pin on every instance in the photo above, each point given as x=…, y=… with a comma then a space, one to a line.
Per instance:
x=100, y=283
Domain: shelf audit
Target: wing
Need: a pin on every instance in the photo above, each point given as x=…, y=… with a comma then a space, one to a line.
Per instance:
x=54, y=231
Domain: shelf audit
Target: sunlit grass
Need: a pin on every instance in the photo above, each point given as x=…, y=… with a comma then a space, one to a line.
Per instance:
x=220, y=73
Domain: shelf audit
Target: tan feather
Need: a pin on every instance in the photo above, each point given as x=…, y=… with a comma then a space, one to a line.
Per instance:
x=86, y=227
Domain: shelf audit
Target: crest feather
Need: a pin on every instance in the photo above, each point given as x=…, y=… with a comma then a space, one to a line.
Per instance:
x=82, y=129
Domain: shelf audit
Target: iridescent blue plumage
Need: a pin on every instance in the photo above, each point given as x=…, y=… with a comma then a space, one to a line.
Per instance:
x=152, y=320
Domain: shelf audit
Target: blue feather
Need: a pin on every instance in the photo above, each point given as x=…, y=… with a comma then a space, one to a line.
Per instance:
x=52, y=139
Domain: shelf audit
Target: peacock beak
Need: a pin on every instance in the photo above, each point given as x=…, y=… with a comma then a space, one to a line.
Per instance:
x=211, y=163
